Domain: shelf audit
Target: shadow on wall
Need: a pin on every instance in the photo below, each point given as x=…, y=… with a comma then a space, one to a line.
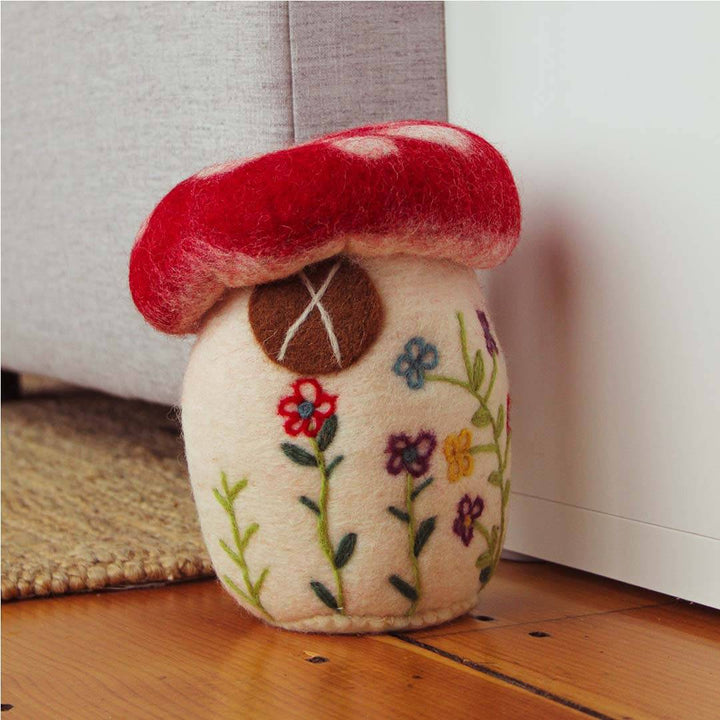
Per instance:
x=534, y=299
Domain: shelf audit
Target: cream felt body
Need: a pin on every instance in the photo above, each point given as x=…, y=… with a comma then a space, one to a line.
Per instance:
x=232, y=426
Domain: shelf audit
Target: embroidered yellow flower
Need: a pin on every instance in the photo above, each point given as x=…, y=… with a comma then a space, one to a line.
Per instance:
x=457, y=453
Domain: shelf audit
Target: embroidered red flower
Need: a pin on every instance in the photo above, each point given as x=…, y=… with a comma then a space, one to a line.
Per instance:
x=412, y=456
x=307, y=408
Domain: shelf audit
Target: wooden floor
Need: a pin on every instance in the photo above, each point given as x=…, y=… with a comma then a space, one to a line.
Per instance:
x=546, y=642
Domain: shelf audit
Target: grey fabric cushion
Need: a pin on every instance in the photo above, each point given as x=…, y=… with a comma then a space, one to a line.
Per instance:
x=107, y=105
x=366, y=62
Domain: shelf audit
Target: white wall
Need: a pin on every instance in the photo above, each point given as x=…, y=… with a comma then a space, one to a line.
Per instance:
x=609, y=115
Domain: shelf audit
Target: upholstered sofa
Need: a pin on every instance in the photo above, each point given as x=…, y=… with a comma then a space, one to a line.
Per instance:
x=106, y=106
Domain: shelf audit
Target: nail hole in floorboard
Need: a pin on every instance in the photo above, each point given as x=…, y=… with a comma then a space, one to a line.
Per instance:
x=538, y=633
x=484, y=618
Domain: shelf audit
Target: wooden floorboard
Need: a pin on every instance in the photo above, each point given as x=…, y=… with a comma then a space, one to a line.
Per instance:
x=650, y=662
x=535, y=592
x=611, y=651
x=186, y=651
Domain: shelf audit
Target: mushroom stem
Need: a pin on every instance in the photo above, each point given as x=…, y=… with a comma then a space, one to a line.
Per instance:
x=323, y=531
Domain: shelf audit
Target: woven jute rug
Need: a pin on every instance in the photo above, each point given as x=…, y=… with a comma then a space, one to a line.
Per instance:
x=94, y=495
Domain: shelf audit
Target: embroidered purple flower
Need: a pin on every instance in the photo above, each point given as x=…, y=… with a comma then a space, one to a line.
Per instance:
x=468, y=511
x=418, y=358
x=411, y=456
x=490, y=343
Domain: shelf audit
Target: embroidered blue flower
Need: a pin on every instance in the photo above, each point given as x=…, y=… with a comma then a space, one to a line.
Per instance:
x=418, y=358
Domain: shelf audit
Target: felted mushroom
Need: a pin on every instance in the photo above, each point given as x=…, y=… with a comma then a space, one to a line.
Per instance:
x=345, y=407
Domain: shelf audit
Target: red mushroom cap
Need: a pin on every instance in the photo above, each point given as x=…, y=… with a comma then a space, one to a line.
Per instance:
x=413, y=187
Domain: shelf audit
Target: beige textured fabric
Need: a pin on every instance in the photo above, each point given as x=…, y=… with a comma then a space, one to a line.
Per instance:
x=94, y=495
x=106, y=106
x=231, y=425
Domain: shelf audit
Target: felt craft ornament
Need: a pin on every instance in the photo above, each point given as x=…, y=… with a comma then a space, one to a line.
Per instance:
x=345, y=408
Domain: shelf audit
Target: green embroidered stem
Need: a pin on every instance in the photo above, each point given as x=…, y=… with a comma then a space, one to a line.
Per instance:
x=418, y=536
x=340, y=556
x=505, y=489
x=453, y=381
x=463, y=346
x=252, y=593
x=482, y=418
x=487, y=561
x=322, y=523
x=411, y=539
x=507, y=449
x=484, y=532
x=475, y=449
x=493, y=375
x=497, y=431
x=498, y=549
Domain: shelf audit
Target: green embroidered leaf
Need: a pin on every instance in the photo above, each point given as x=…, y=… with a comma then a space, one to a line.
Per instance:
x=223, y=480
x=399, y=514
x=298, y=455
x=231, y=553
x=495, y=478
x=232, y=492
x=500, y=422
x=403, y=588
x=257, y=587
x=327, y=433
x=308, y=503
x=481, y=418
x=478, y=371
x=331, y=467
x=487, y=448
x=423, y=534
x=251, y=530
x=484, y=560
x=345, y=549
x=237, y=590
x=421, y=487
x=324, y=594
x=222, y=500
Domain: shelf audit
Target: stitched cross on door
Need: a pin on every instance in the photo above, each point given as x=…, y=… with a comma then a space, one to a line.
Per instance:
x=321, y=320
